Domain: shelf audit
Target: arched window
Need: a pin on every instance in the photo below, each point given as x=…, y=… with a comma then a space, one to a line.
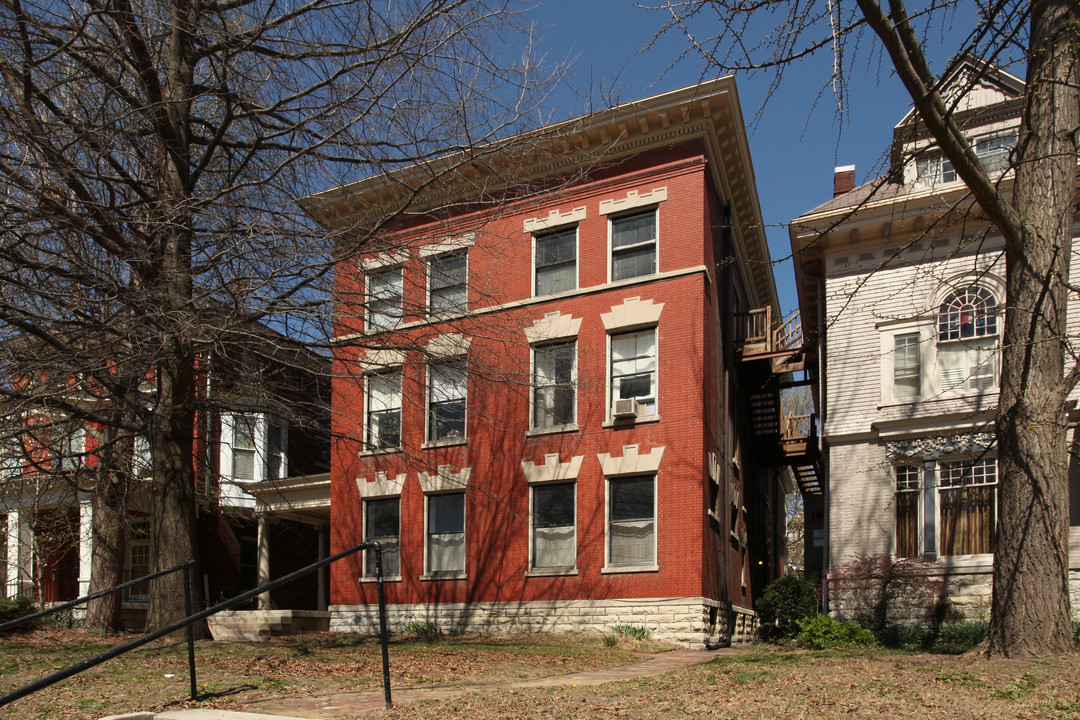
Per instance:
x=967, y=339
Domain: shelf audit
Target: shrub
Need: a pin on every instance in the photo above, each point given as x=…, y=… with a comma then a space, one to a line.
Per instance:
x=959, y=637
x=611, y=640
x=881, y=590
x=1076, y=633
x=425, y=629
x=784, y=602
x=823, y=631
x=904, y=637
x=638, y=632
x=15, y=609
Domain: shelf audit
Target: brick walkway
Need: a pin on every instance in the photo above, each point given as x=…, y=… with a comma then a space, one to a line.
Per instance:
x=333, y=706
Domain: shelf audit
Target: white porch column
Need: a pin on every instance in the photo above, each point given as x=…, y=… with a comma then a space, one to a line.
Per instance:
x=19, y=546
x=263, y=553
x=324, y=573
x=86, y=542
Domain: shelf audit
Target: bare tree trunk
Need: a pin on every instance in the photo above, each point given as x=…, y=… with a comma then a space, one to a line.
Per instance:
x=107, y=559
x=1030, y=605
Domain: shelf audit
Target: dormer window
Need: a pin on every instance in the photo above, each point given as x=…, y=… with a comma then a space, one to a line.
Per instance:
x=993, y=152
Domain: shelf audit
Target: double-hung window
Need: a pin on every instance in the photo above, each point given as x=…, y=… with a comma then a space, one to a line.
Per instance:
x=906, y=375
x=243, y=446
x=447, y=392
x=631, y=520
x=448, y=284
x=556, y=261
x=633, y=369
x=554, y=385
x=933, y=168
x=142, y=464
x=994, y=151
x=384, y=410
x=385, y=295
x=967, y=340
x=382, y=524
x=967, y=505
x=446, y=533
x=554, y=527
x=254, y=447
x=633, y=245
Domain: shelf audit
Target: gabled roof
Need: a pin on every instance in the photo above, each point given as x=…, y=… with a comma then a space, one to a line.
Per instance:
x=971, y=83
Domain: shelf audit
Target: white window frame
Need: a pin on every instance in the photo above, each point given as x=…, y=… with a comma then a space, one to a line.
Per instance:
x=540, y=570
x=540, y=236
x=969, y=349
x=429, y=420
x=261, y=456
x=652, y=563
x=654, y=243
x=142, y=461
x=381, y=320
x=463, y=286
x=540, y=384
x=372, y=443
x=139, y=539
x=73, y=446
x=941, y=488
x=655, y=382
x=394, y=548
x=453, y=573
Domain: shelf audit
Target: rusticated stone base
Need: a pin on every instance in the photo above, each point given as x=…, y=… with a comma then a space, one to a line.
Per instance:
x=691, y=621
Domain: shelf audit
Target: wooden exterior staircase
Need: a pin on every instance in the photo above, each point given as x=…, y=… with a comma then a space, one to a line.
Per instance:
x=790, y=439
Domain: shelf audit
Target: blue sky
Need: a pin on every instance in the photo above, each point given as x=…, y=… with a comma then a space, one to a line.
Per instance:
x=797, y=141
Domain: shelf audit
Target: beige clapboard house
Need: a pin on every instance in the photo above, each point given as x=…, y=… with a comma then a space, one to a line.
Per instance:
x=904, y=284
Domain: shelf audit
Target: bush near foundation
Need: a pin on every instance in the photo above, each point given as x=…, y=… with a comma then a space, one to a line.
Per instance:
x=880, y=591
x=822, y=632
x=783, y=603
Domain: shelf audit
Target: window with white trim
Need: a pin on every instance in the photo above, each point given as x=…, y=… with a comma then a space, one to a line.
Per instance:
x=140, y=557
x=967, y=506
x=994, y=152
x=383, y=425
x=633, y=369
x=554, y=526
x=254, y=447
x=448, y=290
x=633, y=245
x=906, y=375
x=142, y=465
x=556, y=261
x=445, y=533
x=72, y=445
x=631, y=530
x=967, y=340
x=554, y=385
x=385, y=298
x=382, y=524
x=447, y=395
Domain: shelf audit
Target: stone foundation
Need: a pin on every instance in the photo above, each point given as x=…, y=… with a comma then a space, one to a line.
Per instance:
x=968, y=592
x=691, y=621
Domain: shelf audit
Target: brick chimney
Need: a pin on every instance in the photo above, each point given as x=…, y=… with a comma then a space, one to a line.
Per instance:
x=843, y=180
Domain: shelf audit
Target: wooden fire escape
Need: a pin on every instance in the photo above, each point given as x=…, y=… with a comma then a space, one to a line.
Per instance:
x=776, y=351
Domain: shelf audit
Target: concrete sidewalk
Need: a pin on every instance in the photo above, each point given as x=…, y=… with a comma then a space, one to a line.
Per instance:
x=333, y=706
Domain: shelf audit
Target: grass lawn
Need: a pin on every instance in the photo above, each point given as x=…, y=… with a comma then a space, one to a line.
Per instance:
x=760, y=683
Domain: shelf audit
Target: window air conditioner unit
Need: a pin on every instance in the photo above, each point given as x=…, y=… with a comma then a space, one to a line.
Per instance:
x=626, y=408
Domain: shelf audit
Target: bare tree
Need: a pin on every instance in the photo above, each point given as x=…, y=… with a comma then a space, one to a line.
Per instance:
x=152, y=152
x=1030, y=604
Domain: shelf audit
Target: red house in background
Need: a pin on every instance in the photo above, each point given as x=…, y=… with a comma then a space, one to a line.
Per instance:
x=541, y=409
x=265, y=436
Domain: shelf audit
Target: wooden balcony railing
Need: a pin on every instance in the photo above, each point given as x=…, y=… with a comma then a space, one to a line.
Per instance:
x=757, y=338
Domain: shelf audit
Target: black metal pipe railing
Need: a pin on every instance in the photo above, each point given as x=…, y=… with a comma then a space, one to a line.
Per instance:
x=93, y=596
x=191, y=619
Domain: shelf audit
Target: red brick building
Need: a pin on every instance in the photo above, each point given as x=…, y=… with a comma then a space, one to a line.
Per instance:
x=538, y=403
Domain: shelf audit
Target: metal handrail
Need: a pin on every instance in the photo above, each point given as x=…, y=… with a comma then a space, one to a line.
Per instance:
x=225, y=605
x=93, y=596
